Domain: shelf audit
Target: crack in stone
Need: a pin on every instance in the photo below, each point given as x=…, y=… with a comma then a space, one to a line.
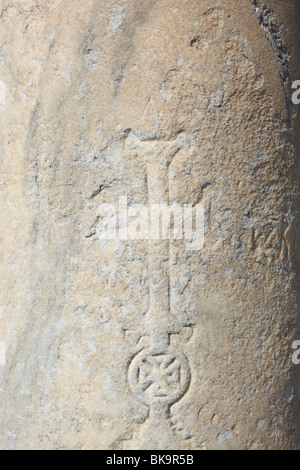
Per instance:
x=272, y=29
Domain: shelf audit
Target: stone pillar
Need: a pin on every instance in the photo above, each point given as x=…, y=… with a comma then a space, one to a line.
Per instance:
x=113, y=335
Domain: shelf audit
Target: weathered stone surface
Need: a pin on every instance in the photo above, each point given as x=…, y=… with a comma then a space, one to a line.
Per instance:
x=108, y=341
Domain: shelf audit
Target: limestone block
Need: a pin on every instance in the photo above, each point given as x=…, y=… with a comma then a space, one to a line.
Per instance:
x=114, y=335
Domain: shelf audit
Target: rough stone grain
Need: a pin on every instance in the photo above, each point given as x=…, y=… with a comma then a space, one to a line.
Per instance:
x=126, y=344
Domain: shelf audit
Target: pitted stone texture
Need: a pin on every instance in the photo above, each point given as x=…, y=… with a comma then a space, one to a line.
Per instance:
x=89, y=90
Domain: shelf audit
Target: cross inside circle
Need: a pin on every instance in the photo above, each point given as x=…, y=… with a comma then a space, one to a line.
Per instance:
x=159, y=376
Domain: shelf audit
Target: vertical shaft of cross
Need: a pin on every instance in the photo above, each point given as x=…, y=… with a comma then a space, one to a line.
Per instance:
x=159, y=251
x=158, y=153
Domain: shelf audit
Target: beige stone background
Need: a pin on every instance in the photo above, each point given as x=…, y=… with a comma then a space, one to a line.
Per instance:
x=82, y=84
